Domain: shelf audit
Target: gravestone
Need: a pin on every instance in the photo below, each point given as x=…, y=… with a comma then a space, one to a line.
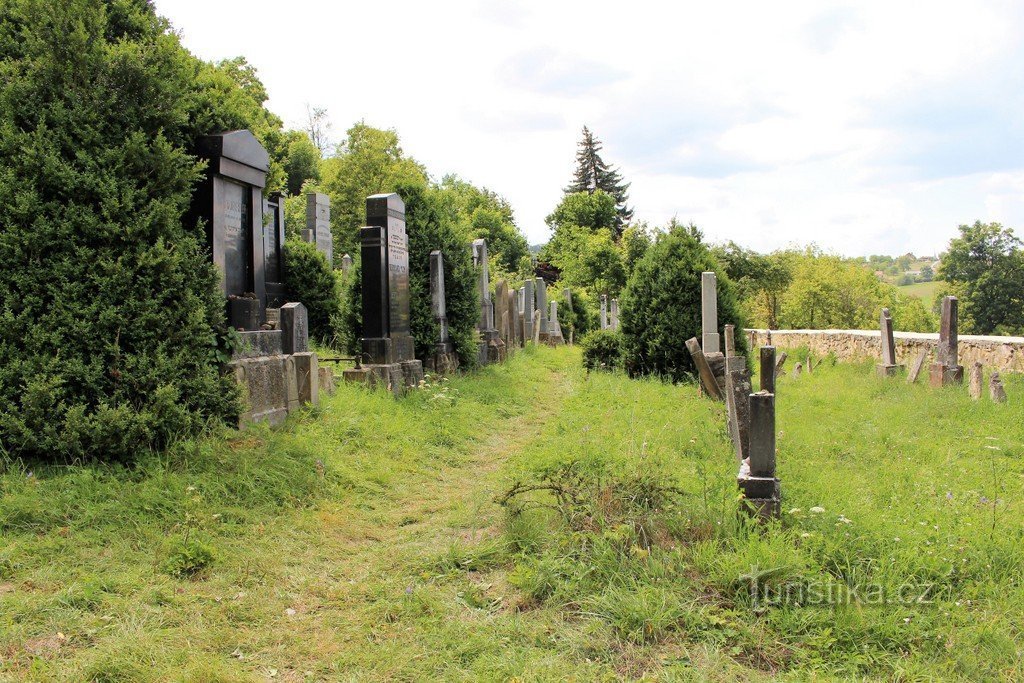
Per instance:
x=707, y=376
x=888, y=366
x=975, y=382
x=513, y=321
x=273, y=250
x=709, y=312
x=604, y=311
x=503, y=316
x=230, y=202
x=294, y=324
x=915, y=368
x=730, y=344
x=946, y=369
x=387, y=345
x=780, y=364
x=529, y=306
x=487, y=349
x=615, y=314
x=767, y=375
x=762, y=493
x=541, y=290
x=346, y=265
x=554, y=327
x=536, y=326
x=443, y=359
x=318, y=225
x=995, y=388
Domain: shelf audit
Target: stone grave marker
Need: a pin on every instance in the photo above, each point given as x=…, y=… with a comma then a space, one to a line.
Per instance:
x=346, y=265
x=554, y=327
x=767, y=376
x=318, y=225
x=780, y=364
x=541, y=292
x=707, y=376
x=888, y=367
x=444, y=359
x=756, y=479
x=229, y=200
x=915, y=368
x=294, y=323
x=946, y=368
x=273, y=250
x=615, y=314
x=529, y=306
x=975, y=381
x=536, y=326
x=996, y=390
x=709, y=312
x=604, y=311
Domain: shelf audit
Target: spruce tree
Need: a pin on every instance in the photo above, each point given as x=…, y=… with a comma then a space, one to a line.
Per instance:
x=592, y=173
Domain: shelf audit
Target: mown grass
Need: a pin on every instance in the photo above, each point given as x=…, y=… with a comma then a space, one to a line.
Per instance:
x=366, y=540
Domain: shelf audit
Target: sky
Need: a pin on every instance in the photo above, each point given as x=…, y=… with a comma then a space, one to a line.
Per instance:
x=866, y=128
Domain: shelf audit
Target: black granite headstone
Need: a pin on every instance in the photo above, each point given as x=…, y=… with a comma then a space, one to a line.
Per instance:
x=385, y=282
x=230, y=201
x=273, y=244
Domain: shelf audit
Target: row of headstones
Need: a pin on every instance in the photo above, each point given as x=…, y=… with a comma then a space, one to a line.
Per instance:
x=724, y=376
x=510, y=318
x=946, y=369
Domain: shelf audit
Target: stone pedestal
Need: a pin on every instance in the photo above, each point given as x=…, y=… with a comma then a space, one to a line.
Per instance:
x=942, y=375
x=274, y=383
x=883, y=370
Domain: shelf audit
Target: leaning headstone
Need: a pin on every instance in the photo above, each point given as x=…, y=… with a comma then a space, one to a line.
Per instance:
x=346, y=265
x=915, y=368
x=707, y=376
x=767, y=375
x=604, y=311
x=780, y=364
x=762, y=492
x=995, y=388
x=614, y=314
x=230, y=201
x=443, y=359
x=387, y=345
x=976, y=377
x=737, y=399
x=946, y=368
x=888, y=366
x=529, y=306
x=318, y=225
x=709, y=312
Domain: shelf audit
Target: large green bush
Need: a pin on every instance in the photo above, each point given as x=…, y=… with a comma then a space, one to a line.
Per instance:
x=602, y=349
x=109, y=307
x=312, y=281
x=660, y=307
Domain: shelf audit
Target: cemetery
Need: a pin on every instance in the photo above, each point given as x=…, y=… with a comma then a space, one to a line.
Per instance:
x=267, y=421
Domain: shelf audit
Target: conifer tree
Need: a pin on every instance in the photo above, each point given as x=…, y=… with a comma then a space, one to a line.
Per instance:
x=592, y=173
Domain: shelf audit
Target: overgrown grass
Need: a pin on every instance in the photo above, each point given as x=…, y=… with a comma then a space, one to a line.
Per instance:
x=898, y=556
x=366, y=540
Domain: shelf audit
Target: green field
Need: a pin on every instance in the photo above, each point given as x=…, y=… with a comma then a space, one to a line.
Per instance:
x=531, y=522
x=924, y=290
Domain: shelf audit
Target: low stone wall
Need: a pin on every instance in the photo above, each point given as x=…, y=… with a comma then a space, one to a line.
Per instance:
x=1005, y=354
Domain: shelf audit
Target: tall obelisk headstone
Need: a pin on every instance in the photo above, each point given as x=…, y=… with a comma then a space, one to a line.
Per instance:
x=604, y=311
x=888, y=366
x=542, y=306
x=946, y=368
x=614, y=314
x=529, y=306
x=318, y=225
x=709, y=312
x=488, y=350
x=444, y=359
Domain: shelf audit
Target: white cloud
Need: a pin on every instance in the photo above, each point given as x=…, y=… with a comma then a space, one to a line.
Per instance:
x=869, y=127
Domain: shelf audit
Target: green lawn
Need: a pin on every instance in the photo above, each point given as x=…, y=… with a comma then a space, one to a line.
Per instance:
x=532, y=522
x=923, y=290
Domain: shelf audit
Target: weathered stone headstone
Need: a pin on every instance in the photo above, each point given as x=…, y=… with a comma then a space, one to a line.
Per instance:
x=975, y=382
x=797, y=369
x=294, y=324
x=307, y=372
x=542, y=306
x=709, y=312
x=273, y=250
x=730, y=341
x=888, y=367
x=756, y=479
x=529, y=306
x=318, y=225
x=554, y=327
x=737, y=399
x=503, y=316
x=615, y=314
x=604, y=311
x=488, y=348
x=230, y=201
x=915, y=368
x=767, y=375
x=707, y=376
x=387, y=345
x=995, y=388
x=780, y=364
x=443, y=359
x=946, y=369
x=514, y=335
x=536, y=326
x=346, y=265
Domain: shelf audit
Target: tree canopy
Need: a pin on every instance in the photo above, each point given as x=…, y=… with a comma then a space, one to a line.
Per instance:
x=593, y=174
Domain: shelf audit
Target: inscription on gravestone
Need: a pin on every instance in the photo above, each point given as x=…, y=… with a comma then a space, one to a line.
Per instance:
x=318, y=225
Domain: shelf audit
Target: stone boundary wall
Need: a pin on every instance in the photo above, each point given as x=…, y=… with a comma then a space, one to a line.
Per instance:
x=1005, y=354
